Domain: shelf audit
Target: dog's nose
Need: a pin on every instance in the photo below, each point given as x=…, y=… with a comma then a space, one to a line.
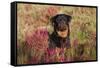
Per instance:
x=62, y=27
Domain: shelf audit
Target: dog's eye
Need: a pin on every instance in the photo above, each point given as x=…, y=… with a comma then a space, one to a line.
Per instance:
x=62, y=27
x=62, y=30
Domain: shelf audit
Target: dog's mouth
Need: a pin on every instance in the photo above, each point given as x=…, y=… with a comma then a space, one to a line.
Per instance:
x=63, y=33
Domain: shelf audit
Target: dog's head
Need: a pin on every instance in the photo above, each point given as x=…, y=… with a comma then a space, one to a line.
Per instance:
x=61, y=24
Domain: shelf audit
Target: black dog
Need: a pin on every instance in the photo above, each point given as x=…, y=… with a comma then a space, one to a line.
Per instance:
x=60, y=37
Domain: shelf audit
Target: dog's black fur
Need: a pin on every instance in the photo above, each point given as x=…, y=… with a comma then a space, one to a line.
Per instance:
x=60, y=22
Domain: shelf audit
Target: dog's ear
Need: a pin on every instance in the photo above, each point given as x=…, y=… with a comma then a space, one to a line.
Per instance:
x=52, y=20
x=68, y=18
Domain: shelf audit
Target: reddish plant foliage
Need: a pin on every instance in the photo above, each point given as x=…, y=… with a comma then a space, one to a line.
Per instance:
x=38, y=39
x=75, y=42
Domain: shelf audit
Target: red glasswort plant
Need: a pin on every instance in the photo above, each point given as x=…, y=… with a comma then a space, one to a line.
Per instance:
x=38, y=39
x=37, y=42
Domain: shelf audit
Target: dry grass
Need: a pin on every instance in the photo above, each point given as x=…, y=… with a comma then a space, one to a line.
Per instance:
x=31, y=18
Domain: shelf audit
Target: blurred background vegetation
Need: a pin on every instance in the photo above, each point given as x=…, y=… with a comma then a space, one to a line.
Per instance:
x=32, y=17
